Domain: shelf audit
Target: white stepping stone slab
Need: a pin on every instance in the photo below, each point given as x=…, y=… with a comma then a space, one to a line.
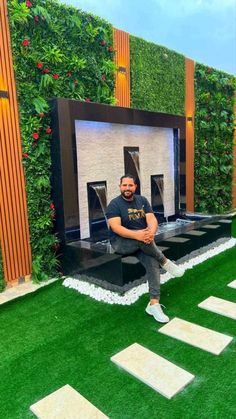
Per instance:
x=66, y=403
x=3, y=299
x=211, y=226
x=163, y=376
x=219, y=306
x=195, y=233
x=177, y=240
x=232, y=284
x=196, y=335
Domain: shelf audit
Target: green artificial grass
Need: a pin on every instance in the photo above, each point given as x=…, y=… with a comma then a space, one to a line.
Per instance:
x=57, y=336
x=234, y=226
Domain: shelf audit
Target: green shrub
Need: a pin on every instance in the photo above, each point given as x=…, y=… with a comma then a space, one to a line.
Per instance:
x=214, y=125
x=157, y=78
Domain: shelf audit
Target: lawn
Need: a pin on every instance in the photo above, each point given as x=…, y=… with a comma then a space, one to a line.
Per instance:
x=57, y=336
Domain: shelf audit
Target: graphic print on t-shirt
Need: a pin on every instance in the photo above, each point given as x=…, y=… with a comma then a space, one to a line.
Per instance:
x=135, y=214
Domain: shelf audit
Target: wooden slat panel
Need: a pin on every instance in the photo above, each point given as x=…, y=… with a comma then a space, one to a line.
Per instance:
x=14, y=228
x=189, y=112
x=122, y=59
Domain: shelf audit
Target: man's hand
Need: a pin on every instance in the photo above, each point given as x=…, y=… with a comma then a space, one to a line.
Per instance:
x=145, y=236
x=150, y=236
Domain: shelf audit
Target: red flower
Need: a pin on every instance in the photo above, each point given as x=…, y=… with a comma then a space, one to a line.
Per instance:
x=52, y=206
x=103, y=43
x=25, y=155
x=41, y=115
x=25, y=42
x=110, y=49
x=48, y=130
x=209, y=70
x=36, y=18
x=69, y=74
x=39, y=66
x=46, y=71
x=56, y=247
x=87, y=99
x=28, y=4
x=35, y=136
x=55, y=76
x=103, y=77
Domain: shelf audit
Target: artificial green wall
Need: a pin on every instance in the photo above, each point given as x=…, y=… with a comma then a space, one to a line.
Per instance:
x=157, y=78
x=58, y=51
x=214, y=125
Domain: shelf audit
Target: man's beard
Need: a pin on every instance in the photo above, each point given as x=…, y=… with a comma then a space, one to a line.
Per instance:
x=127, y=195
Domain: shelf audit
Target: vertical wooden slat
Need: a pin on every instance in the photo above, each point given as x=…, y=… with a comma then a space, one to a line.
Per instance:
x=14, y=228
x=122, y=59
x=189, y=112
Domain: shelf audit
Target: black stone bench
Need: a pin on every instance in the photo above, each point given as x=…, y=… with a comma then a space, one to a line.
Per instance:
x=99, y=264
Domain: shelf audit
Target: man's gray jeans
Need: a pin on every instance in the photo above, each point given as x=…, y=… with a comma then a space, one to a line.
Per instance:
x=150, y=257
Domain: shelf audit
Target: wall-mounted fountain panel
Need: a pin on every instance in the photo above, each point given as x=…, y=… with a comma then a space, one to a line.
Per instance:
x=88, y=145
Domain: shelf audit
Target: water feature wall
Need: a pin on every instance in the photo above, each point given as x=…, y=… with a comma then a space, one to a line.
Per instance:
x=100, y=155
x=87, y=146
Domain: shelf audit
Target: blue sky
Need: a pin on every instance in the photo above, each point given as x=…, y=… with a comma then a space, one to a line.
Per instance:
x=204, y=30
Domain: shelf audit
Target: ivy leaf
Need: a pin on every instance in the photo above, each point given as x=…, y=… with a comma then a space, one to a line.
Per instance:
x=76, y=63
x=108, y=67
x=42, y=12
x=19, y=12
x=91, y=31
x=42, y=181
x=53, y=54
x=45, y=82
x=75, y=21
x=40, y=105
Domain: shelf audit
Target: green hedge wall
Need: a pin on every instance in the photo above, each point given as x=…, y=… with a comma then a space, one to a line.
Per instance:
x=157, y=78
x=214, y=125
x=58, y=51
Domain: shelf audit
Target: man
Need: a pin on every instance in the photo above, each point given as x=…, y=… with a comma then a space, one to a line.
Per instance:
x=133, y=227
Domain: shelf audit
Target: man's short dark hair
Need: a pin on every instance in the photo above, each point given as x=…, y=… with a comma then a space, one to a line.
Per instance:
x=129, y=176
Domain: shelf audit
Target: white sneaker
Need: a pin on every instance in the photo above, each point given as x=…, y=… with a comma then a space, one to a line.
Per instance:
x=173, y=269
x=155, y=310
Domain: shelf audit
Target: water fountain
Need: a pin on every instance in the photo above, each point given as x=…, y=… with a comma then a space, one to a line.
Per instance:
x=135, y=157
x=132, y=164
x=157, y=196
x=97, y=202
x=93, y=142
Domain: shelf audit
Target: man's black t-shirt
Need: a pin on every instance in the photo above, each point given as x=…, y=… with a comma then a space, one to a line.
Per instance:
x=132, y=213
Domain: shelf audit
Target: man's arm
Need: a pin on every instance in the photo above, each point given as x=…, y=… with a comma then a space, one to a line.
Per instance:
x=152, y=225
x=140, y=235
x=151, y=222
